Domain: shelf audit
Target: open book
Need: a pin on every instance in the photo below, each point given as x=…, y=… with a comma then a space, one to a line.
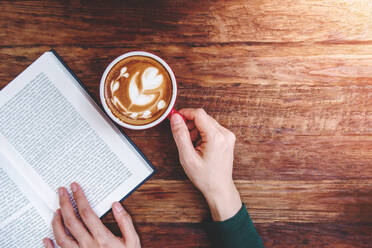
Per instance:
x=52, y=133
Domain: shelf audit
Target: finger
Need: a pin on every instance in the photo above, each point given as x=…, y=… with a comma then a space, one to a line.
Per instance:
x=48, y=243
x=182, y=137
x=89, y=217
x=194, y=135
x=190, y=124
x=62, y=239
x=125, y=224
x=70, y=219
x=203, y=122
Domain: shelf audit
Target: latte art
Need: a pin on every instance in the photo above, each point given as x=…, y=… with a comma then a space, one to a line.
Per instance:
x=150, y=80
x=138, y=89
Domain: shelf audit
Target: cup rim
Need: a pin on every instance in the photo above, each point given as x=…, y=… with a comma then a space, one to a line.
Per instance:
x=170, y=106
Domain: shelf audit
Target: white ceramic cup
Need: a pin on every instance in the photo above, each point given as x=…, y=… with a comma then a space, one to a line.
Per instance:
x=170, y=110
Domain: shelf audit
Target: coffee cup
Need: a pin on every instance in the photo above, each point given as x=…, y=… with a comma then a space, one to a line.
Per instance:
x=138, y=90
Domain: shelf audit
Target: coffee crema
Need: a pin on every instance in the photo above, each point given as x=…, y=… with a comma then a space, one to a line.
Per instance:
x=138, y=90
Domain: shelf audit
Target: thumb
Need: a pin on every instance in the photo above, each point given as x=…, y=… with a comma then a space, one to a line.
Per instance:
x=181, y=136
x=125, y=224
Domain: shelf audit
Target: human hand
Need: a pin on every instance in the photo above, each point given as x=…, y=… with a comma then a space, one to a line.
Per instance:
x=206, y=151
x=90, y=232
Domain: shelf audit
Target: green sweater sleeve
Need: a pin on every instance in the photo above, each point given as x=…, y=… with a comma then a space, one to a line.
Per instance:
x=236, y=232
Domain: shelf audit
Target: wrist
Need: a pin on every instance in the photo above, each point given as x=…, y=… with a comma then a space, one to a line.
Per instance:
x=224, y=203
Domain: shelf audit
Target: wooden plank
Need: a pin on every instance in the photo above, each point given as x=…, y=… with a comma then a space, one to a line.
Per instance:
x=290, y=123
x=284, y=156
x=292, y=80
x=180, y=235
x=114, y=22
x=296, y=235
x=218, y=66
x=286, y=235
x=268, y=201
x=232, y=66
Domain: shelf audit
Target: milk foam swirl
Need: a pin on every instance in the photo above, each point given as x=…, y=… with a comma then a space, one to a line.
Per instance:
x=144, y=92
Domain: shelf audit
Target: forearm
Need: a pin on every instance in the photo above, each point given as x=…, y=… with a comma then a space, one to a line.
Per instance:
x=224, y=203
x=232, y=226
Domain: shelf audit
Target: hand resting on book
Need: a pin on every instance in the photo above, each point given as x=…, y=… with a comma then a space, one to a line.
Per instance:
x=90, y=232
x=206, y=151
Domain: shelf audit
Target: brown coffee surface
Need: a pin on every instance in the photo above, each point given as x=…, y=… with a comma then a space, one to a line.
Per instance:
x=138, y=90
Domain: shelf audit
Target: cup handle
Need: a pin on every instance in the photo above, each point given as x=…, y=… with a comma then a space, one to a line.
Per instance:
x=174, y=111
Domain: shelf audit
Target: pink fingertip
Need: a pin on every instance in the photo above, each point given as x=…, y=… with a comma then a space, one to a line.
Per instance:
x=117, y=207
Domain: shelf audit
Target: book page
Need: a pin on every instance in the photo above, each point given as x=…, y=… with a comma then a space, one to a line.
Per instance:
x=54, y=135
x=21, y=212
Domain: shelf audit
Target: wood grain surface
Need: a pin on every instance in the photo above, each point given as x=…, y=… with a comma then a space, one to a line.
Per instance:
x=292, y=79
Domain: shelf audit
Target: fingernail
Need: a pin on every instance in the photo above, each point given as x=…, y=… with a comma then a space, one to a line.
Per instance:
x=176, y=118
x=57, y=212
x=74, y=187
x=118, y=207
x=61, y=191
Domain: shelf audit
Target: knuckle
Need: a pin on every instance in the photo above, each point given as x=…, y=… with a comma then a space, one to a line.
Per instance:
x=61, y=242
x=231, y=136
x=69, y=222
x=78, y=196
x=127, y=218
x=200, y=111
x=88, y=244
x=84, y=212
x=219, y=138
x=63, y=203
x=188, y=161
x=103, y=241
x=177, y=127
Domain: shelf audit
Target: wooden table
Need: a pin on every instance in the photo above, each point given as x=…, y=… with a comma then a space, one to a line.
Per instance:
x=292, y=79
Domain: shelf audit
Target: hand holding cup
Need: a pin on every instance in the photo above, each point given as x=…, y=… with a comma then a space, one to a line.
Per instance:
x=206, y=151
